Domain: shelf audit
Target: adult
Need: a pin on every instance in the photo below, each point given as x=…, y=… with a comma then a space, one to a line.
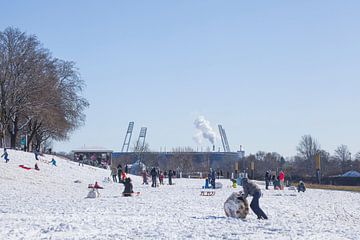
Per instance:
x=250, y=188
x=126, y=169
x=114, y=173
x=81, y=160
x=128, y=190
x=267, y=180
x=119, y=172
x=170, y=174
x=144, y=175
x=282, y=179
x=153, y=174
x=213, y=177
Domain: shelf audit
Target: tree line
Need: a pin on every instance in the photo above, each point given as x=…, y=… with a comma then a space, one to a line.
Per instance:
x=39, y=94
x=303, y=164
x=300, y=166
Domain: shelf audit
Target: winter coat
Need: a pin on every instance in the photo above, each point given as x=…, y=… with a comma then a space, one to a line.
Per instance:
x=250, y=188
x=153, y=172
x=119, y=170
x=128, y=186
x=267, y=176
x=281, y=176
x=113, y=171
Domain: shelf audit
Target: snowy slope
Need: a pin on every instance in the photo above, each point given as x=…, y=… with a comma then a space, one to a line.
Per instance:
x=48, y=204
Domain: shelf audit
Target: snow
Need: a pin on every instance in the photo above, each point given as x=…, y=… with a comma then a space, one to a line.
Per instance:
x=52, y=204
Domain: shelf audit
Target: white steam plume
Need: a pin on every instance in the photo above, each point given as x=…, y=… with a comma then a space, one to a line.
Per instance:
x=205, y=130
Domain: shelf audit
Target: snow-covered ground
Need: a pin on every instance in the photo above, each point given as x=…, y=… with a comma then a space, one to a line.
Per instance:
x=48, y=204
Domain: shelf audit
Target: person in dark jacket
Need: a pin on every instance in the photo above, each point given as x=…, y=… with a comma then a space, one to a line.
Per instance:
x=126, y=169
x=119, y=171
x=213, y=177
x=170, y=177
x=153, y=174
x=81, y=160
x=267, y=180
x=301, y=187
x=36, y=152
x=250, y=188
x=5, y=155
x=128, y=190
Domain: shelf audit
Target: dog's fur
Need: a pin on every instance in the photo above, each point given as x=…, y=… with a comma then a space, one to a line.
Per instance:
x=236, y=206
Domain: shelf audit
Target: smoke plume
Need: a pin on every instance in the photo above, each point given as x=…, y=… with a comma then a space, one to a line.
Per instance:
x=205, y=130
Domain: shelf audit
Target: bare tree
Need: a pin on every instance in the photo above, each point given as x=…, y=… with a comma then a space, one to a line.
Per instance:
x=39, y=95
x=307, y=149
x=342, y=153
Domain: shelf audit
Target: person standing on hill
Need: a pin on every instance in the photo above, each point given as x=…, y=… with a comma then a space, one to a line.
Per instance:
x=5, y=155
x=114, y=173
x=250, y=188
x=153, y=174
x=170, y=177
x=145, y=175
x=36, y=153
x=81, y=160
x=126, y=169
x=119, y=172
x=213, y=177
x=282, y=179
x=161, y=178
x=267, y=180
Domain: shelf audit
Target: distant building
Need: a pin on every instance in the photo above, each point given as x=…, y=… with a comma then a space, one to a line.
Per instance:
x=224, y=162
x=95, y=156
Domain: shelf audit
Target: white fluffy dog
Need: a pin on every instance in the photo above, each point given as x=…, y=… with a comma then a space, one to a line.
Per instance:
x=236, y=206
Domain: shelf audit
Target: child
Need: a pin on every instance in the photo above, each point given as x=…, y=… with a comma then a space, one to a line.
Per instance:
x=5, y=155
x=206, y=183
x=161, y=178
x=53, y=162
x=234, y=185
x=301, y=187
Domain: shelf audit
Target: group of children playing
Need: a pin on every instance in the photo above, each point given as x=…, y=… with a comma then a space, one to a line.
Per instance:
x=5, y=155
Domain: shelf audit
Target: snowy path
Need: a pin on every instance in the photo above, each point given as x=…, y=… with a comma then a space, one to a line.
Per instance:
x=49, y=205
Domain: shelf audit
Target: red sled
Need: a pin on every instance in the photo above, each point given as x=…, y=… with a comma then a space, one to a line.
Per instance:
x=97, y=186
x=24, y=167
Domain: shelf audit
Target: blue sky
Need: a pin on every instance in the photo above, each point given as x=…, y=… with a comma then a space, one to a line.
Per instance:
x=268, y=71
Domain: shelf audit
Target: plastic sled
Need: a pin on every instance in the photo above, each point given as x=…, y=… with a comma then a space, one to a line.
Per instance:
x=24, y=167
x=207, y=193
x=131, y=194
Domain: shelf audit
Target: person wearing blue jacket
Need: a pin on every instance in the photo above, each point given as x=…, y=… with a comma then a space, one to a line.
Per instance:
x=5, y=155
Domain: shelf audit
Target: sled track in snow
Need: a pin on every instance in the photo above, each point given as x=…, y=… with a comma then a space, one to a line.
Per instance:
x=341, y=211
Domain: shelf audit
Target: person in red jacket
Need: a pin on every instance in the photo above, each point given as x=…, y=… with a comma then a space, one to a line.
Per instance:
x=282, y=179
